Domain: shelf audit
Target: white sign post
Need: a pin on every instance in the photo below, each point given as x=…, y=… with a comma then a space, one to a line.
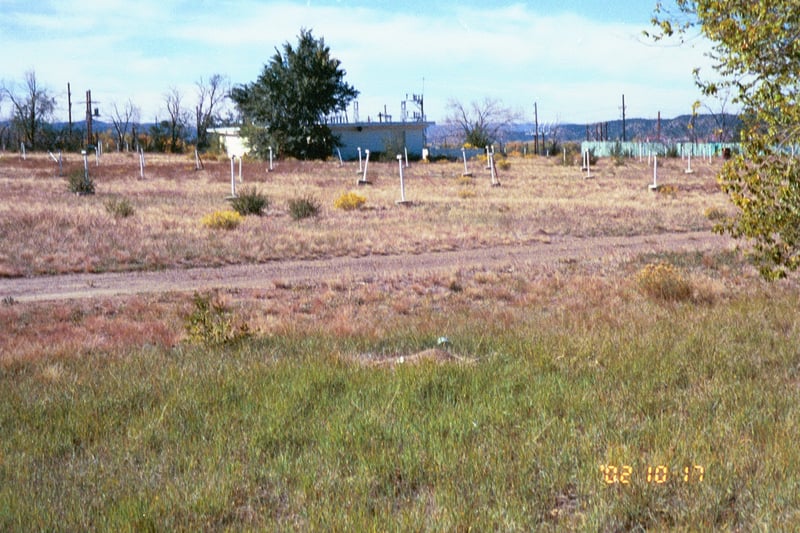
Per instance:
x=402, y=200
x=493, y=167
x=270, y=160
x=654, y=185
x=85, y=168
x=141, y=163
x=466, y=173
x=233, y=178
x=363, y=180
x=588, y=166
x=360, y=166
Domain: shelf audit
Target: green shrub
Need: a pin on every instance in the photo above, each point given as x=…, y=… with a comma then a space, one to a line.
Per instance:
x=304, y=207
x=211, y=323
x=79, y=182
x=119, y=207
x=618, y=154
x=249, y=202
x=664, y=281
x=673, y=152
x=349, y=201
x=222, y=220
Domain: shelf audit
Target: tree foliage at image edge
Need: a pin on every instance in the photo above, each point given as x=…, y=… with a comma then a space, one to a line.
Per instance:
x=286, y=106
x=756, y=49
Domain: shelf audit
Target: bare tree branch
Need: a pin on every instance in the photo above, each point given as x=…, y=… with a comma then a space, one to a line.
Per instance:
x=210, y=96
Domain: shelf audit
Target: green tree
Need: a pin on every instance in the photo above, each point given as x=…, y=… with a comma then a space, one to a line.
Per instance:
x=757, y=56
x=287, y=105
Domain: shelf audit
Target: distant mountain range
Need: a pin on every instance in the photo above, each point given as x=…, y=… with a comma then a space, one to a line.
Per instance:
x=705, y=128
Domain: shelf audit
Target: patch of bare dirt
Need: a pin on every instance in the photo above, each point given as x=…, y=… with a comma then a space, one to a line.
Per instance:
x=432, y=355
x=592, y=253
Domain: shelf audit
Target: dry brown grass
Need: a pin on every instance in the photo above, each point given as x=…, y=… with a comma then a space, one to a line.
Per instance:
x=45, y=229
x=75, y=328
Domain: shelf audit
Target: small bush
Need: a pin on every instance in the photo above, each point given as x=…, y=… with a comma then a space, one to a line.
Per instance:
x=79, y=183
x=119, y=207
x=503, y=164
x=668, y=190
x=618, y=154
x=211, y=323
x=250, y=202
x=222, y=220
x=305, y=207
x=715, y=214
x=664, y=281
x=349, y=201
x=466, y=193
x=673, y=151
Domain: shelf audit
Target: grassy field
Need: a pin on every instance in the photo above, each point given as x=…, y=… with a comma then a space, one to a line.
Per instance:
x=45, y=230
x=656, y=394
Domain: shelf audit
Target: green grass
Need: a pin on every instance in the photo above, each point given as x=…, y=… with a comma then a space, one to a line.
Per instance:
x=285, y=431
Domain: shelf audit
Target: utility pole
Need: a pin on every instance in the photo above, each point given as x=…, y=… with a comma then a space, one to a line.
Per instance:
x=88, y=118
x=536, y=129
x=623, y=118
x=69, y=108
x=658, y=127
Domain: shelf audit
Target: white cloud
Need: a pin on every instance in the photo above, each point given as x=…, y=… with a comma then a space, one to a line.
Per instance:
x=576, y=68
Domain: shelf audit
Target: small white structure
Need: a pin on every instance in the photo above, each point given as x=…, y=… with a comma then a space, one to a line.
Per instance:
x=377, y=137
x=229, y=140
x=380, y=137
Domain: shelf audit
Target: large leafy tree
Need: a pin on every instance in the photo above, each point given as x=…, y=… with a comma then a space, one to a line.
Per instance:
x=286, y=106
x=756, y=48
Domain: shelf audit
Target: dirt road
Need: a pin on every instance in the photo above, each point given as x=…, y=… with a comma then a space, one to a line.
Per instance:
x=550, y=251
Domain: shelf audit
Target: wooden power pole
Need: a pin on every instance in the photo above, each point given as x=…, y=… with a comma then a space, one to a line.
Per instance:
x=536, y=129
x=69, y=108
x=88, y=118
x=623, y=118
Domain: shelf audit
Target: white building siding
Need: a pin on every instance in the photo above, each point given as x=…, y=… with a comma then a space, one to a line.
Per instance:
x=373, y=136
x=381, y=137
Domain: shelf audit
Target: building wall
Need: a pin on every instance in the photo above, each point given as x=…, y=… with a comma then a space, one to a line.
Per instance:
x=383, y=137
x=377, y=137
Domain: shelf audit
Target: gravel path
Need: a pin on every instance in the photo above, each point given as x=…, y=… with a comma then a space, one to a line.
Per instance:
x=552, y=250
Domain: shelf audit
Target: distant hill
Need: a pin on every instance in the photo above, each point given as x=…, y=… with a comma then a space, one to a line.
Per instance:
x=636, y=129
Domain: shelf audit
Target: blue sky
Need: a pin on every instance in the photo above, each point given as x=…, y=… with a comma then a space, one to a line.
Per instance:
x=574, y=58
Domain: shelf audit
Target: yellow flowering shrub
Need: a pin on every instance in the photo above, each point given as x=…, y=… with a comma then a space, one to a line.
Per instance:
x=227, y=219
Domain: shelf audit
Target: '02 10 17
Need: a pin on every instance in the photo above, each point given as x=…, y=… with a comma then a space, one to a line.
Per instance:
x=656, y=475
